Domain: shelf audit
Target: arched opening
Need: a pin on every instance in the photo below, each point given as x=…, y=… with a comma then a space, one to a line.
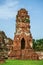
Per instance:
x=22, y=43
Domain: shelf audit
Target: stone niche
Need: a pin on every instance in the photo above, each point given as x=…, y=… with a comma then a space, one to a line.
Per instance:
x=22, y=44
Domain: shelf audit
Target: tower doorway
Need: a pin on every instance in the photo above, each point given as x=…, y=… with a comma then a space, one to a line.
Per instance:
x=22, y=43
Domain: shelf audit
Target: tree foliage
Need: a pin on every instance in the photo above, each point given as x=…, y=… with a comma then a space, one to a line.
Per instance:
x=38, y=44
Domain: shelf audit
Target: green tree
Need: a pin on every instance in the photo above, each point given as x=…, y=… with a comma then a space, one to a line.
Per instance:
x=38, y=44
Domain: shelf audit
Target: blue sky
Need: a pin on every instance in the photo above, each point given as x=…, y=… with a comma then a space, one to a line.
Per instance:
x=8, y=11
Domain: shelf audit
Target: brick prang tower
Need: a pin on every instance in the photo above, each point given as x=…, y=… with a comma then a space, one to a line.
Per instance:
x=22, y=44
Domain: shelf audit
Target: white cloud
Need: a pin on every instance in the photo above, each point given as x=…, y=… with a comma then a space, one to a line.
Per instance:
x=9, y=9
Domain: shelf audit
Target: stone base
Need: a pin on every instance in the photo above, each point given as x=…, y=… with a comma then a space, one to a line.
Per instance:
x=23, y=54
x=2, y=61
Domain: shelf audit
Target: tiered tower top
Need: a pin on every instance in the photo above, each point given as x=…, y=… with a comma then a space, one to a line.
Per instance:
x=22, y=16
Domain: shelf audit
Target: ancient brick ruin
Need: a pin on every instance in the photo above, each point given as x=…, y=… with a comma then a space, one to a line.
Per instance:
x=22, y=44
x=5, y=46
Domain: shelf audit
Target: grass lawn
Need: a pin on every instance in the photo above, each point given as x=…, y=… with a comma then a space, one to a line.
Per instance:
x=23, y=62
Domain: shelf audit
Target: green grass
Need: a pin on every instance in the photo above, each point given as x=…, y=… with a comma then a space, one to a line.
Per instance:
x=23, y=62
